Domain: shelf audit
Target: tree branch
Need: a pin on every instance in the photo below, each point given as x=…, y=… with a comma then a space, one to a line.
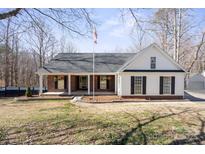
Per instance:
x=136, y=20
x=197, y=51
x=58, y=22
x=10, y=13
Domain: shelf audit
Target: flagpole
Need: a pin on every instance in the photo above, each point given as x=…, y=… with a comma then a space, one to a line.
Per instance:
x=94, y=42
x=93, y=71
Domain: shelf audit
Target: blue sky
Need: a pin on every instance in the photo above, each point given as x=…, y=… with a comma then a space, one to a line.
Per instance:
x=114, y=34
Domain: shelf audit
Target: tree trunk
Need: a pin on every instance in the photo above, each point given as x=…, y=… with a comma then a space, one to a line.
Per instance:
x=6, y=75
x=16, y=61
x=175, y=33
x=178, y=36
x=12, y=62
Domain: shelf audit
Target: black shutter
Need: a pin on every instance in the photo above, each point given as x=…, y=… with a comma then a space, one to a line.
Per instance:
x=77, y=82
x=65, y=82
x=132, y=85
x=98, y=82
x=173, y=85
x=161, y=85
x=144, y=84
x=56, y=82
x=108, y=84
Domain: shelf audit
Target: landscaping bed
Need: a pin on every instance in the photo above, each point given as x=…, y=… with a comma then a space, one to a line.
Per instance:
x=36, y=98
x=110, y=99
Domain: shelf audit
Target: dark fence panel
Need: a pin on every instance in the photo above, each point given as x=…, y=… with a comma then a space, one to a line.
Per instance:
x=18, y=91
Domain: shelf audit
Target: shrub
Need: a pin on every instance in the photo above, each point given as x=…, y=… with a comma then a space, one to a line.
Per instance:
x=28, y=92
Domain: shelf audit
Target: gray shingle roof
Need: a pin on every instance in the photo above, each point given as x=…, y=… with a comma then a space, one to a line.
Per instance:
x=83, y=62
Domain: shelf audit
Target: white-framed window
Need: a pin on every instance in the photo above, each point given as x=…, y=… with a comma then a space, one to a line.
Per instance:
x=103, y=82
x=153, y=62
x=138, y=84
x=59, y=82
x=83, y=82
x=166, y=85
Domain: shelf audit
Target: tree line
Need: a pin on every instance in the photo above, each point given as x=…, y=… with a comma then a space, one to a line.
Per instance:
x=27, y=39
x=179, y=32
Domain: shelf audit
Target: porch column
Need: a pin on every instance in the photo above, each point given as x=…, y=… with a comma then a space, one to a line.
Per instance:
x=116, y=82
x=69, y=84
x=88, y=84
x=40, y=84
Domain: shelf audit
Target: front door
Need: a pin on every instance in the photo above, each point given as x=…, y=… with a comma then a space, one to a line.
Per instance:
x=83, y=82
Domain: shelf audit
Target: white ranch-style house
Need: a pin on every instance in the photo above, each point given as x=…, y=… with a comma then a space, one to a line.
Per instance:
x=149, y=73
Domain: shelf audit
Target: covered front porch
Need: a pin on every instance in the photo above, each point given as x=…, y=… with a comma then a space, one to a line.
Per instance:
x=80, y=84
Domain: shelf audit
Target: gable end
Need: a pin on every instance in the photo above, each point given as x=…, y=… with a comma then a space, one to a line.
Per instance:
x=141, y=62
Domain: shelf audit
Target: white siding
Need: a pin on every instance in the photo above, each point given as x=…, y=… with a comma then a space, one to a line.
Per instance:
x=119, y=85
x=152, y=86
x=142, y=61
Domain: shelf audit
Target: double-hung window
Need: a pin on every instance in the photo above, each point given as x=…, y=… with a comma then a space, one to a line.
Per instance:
x=138, y=84
x=166, y=85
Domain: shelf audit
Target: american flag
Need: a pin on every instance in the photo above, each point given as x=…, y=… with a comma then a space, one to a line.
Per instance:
x=95, y=35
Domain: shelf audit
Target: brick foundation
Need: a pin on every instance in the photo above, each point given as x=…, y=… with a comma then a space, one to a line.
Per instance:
x=159, y=97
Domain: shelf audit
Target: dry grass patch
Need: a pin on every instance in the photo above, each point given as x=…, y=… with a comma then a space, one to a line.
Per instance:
x=17, y=113
x=60, y=122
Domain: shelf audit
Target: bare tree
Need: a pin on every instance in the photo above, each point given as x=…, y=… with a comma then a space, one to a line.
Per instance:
x=27, y=41
x=198, y=47
x=67, y=46
x=7, y=50
x=41, y=41
x=70, y=19
x=175, y=31
x=16, y=65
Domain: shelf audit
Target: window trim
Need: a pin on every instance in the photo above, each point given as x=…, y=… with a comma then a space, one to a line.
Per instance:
x=141, y=77
x=105, y=77
x=170, y=88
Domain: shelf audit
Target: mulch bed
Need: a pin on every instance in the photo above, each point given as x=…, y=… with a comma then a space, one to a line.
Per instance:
x=36, y=97
x=110, y=99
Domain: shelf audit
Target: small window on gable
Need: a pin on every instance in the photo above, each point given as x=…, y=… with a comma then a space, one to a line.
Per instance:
x=153, y=62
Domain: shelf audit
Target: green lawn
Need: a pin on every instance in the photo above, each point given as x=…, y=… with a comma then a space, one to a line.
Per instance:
x=60, y=122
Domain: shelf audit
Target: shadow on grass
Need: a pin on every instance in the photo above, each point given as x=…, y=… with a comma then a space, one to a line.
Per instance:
x=64, y=130
x=124, y=139
x=193, y=139
x=59, y=130
x=55, y=132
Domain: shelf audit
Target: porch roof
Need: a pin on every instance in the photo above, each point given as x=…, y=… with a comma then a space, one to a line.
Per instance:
x=83, y=62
